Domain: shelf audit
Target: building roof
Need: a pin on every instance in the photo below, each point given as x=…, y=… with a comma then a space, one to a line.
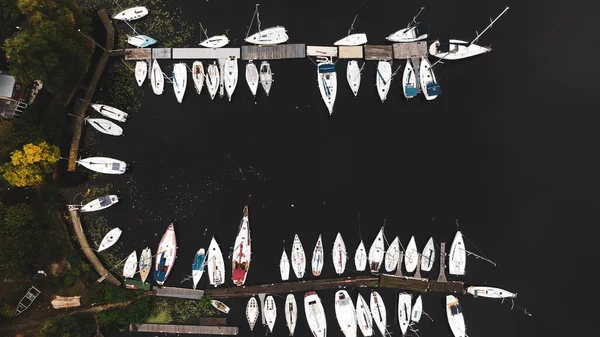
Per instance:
x=7, y=85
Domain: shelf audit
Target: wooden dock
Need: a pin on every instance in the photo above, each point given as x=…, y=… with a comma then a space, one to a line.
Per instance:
x=350, y=52
x=161, y=53
x=291, y=287
x=138, y=54
x=420, y=285
x=321, y=51
x=403, y=51
x=277, y=52
x=378, y=52
x=186, y=293
x=191, y=329
x=204, y=53
x=212, y=321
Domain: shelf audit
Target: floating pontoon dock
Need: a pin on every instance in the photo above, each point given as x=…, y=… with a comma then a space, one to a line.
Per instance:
x=350, y=52
x=278, y=52
x=189, y=329
x=409, y=50
x=186, y=293
x=378, y=52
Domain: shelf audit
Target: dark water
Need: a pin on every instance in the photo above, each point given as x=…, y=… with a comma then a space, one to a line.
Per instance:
x=501, y=150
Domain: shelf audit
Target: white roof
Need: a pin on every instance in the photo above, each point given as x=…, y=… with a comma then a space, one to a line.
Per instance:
x=7, y=85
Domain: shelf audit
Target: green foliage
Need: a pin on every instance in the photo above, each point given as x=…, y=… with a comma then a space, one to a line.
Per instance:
x=10, y=17
x=29, y=167
x=8, y=311
x=18, y=216
x=78, y=325
x=136, y=312
x=180, y=311
x=107, y=293
x=20, y=234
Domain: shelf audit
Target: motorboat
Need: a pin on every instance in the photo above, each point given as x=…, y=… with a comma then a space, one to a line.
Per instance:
x=383, y=79
x=392, y=255
x=455, y=317
x=157, y=79
x=198, y=76
x=252, y=312
x=179, y=80
x=409, y=81
x=360, y=257
x=100, y=203
x=490, y=292
x=212, y=80
x=291, y=313
x=411, y=256
x=376, y=253
x=315, y=314
x=363, y=316
x=317, y=258
x=270, y=312
x=379, y=313
x=353, y=76
x=141, y=72
x=111, y=112
x=298, y=258
x=131, y=14
x=220, y=306
x=230, y=76
x=339, y=255
x=327, y=81
x=428, y=256
x=284, y=266
x=198, y=266
x=266, y=77
x=404, y=311
x=240, y=258
x=345, y=313
x=252, y=77
x=269, y=36
x=215, y=264
x=105, y=126
x=431, y=89
x=417, y=311
x=103, y=165
x=145, y=264
x=165, y=256
x=140, y=41
x=356, y=39
x=130, y=265
x=110, y=239
x=457, y=259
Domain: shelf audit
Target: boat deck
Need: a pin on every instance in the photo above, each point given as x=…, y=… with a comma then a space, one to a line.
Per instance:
x=277, y=52
x=178, y=292
x=378, y=52
x=189, y=329
x=403, y=51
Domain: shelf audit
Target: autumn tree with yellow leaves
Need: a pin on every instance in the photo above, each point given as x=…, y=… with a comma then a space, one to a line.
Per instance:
x=29, y=166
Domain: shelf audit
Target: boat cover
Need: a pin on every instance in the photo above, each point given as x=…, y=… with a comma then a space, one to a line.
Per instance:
x=411, y=91
x=116, y=166
x=198, y=262
x=433, y=89
x=456, y=309
x=421, y=29
x=161, y=272
x=105, y=200
x=327, y=68
x=444, y=46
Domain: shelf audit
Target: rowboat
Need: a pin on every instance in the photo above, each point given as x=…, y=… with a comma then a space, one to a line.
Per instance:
x=110, y=239
x=230, y=76
x=157, y=79
x=345, y=313
x=428, y=256
x=252, y=312
x=111, y=112
x=240, y=258
x=198, y=266
x=284, y=266
x=103, y=165
x=252, y=77
x=404, y=311
x=165, y=256
x=392, y=255
x=363, y=317
x=376, y=253
x=455, y=317
x=141, y=72
x=360, y=257
x=215, y=264
x=411, y=256
x=212, y=80
x=458, y=256
x=431, y=89
x=378, y=311
x=266, y=77
x=198, y=76
x=353, y=76
x=130, y=265
x=105, y=126
x=298, y=258
x=220, y=306
x=291, y=313
x=490, y=292
x=315, y=314
x=179, y=80
x=339, y=254
x=417, y=311
x=145, y=264
x=131, y=14
x=317, y=258
x=100, y=203
x=270, y=312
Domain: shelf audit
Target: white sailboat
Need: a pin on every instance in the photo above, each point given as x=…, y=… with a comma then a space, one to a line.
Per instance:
x=198, y=266
x=392, y=255
x=157, y=79
x=212, y=79
x=339, y=255
x=270, y=312
x=345, y=313
x=100, y=203
x=217, y=41
x=230, y=76
x=414, y=31
x=240, y=258
x=356, y=39
x=376, y=253
x=409, y=81
x=455, y=317
x=490, y=292
x=327, y=81
x=457, y=259
x=428, y=256
x=105, y=126
x=252, y=77
x=179, y=80
x=417, y=311
x=131, y=14
x=141, y=71
x=198, y=76
x=404, y=311
x=266, y=76
x=110, y=239
x=111, y=112
x=379, y=313
x=130, y=265
x=269, y=36
x=220, y=306
x=363, y=316
x=145, y=264
x=140, y=41
x=431, y=89
x=317, y=258
x=455, y=49
x=284, y=266
x=103, y=165
x=252, y=312
x=383, y=78
x=411, y=256
x=315, y=314
x=291, y=313
x=165, y=255
x=298, y=258
x=215, y=264
x=353, y=76
x=360, y=257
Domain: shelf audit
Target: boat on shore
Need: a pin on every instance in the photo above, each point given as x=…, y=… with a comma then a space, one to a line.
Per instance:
x=339, y=255
x=317, y=258
x=379, y=313
x=266, y=77
x=429, y=86
x=130, y=265
x=457, y=259
x=298, y=258
x=404, y=311
x=105, y=126
x=179, y=80
x=111, y=112
x=198, y=266
x=145, y=264
x=327, y=81
x=411, y=256
x=353, y=76
x=490, y=292
x=345, y=313
x=212, y=79
x=360, y=257
x=198, y=76
x=291, y=313
x=270, y=312
x=100, y=203
x=284, y=266
x=252, y=77
x=240, y=258
x=363, y=316
x=165, y=256
x=220, y=306
x=315, y=314
x=455, y=317
x=131, y=14
x=110, y=239
x=376, y=253
x=215, y=264
x=252, y=312
x=141, y=72
x=157, y=79
x=103, y=165
x=428, y=256
x=392, y=255
x=383, y=79
x=230, y=76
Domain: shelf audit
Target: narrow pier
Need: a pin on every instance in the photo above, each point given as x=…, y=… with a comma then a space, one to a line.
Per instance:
x=191, y=329
x=277, y=52
x=186, y=293
x=317, y=51
x=204, y=53
x=379, y=53
x=403, y=51
x=420, y=285
x=351, y=52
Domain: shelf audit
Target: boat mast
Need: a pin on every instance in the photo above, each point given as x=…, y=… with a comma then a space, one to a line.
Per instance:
x=414, y=20
x=252, y=21
x=203, y=31
x=352, y=25
x=490, y=25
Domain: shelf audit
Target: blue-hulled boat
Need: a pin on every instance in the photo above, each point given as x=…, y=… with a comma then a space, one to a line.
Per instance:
x=198, y=266
x=140, y=41
x=165, y=257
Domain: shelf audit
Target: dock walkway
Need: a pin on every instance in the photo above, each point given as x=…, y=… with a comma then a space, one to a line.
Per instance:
x=191, y=329
x=186, y=293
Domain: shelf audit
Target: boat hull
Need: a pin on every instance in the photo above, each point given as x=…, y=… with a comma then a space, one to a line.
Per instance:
x=417, y=311
x=378, y=312
x=266, y=77
x=315, y=314
x=157, y=79
x=458, y=256
x=141, y=72
x=360, y=257
x=455, y=317
x=217, y=41
x=111, y=112
x=212, y=80
x=428, y=256
x=284, y=266
x=198, y=76
x=409, y=81
x=404, y=311
x=291, y=313
x=411, y=257
x=345, y=313
x=220, y=306
x=145, y=264
x=298, y=258
x=110, y=239
x=458, y=50
x=140, y=41
x=270, y=312
x=131, y=14
x=100, y=203
x=252, y=312
x=317, y=258
x=165, y=255
x=428, y=81
x=383, y=79
x=179, y=80
x=392, y=255
x=198, y=266
x=231, y=76
x=103, y=165
x=352, y=40
x=339, y=255
x=252, y=77
x=363, y=317
x=327, y=81
x=105, y=126
x=130, y=265
x=490, y=292
x=376, y=253
x=353, y=76
x=241, y=256
x=215, y=264
x=269, y=36
x=405, y=35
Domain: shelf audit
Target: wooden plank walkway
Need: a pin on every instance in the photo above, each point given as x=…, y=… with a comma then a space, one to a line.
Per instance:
x=403, y=51
x=138, y=54
x=350, y=52
x=204, y=53
x=321, y=51
x=191, y=329
x=161, y=53
x=378, y=52
x=291, y=287
x=420, y=285
x=278, y=52
x=186, y=293
x=212, y=321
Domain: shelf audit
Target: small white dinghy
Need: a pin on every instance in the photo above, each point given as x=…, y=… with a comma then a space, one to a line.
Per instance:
x=317, y=258
x=411, y=256
x=131, y=14
x=266, y=77
x=378, y=311
x=103, y=165
x=298, y=258
x=111, y=112
x=270, y=36
x=352, y=40
x=339, y=255
x=165, y=255
x=455, y=317
x=404, y=311
x=417, y=311
x=284, y=266
x=140, y=41
x=157, y=79
x=198, y=266
x=345, y=313
x=217, y=41
x=315, y=314
x=457, y=259
x=428, y=256
x=383, y=79
x=212, y=80
x=179, y=80
x=376, y=253
x=110, y=239
x=145, y=264
x=252, y=312
x=490, y=292
x=230, y=76
x=392, y=255
x=100, y=203
x=360, y=257
x=215, y=264
x=198, y=76
x=141, y=72
x=105, y=126
x=270, y=312
x=353, y=76
x=414, y=31
x=363, y=316
x=327, y=81
x=409, y=81
x=252, y=77
x=220, y=306
x=431, y=89
x=130, y=265
x=291, y=313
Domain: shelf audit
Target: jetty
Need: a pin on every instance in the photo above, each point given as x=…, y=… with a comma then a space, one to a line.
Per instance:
x=189, y=329
x=186, y=293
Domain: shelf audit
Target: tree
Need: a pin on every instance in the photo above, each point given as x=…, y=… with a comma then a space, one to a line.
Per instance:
x=29, y=167
x=20, y=233
x=78, y=325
